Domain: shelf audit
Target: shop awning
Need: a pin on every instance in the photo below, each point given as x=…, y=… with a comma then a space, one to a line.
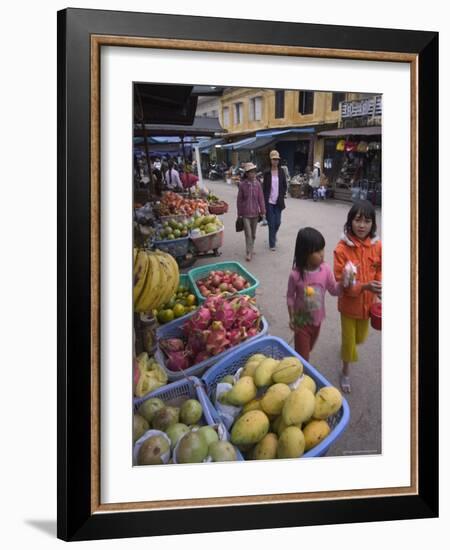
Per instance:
x=281, y=131
x=206, y=145
x=202, y=126
x=256, y=143
x=238, y=144
x=360, y=131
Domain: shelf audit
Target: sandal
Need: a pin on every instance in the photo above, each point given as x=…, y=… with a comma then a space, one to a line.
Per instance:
x=248, y=257
x=345, y=383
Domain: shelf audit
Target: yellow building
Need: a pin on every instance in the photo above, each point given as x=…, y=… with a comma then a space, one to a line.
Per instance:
x=248, y=110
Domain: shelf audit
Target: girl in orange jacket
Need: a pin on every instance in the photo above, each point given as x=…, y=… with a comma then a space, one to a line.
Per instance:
x=359, y=245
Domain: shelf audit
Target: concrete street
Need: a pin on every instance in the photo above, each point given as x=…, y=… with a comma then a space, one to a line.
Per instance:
x=363, y=434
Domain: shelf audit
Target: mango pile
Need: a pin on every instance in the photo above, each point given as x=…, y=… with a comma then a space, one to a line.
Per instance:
x=277, y=421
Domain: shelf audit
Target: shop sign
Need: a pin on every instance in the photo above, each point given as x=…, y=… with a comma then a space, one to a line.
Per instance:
x=361, y=107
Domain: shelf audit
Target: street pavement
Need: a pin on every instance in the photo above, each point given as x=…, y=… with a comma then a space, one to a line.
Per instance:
x=363, y=434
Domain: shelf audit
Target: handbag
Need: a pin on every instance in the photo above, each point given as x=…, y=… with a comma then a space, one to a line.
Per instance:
x=239, y=224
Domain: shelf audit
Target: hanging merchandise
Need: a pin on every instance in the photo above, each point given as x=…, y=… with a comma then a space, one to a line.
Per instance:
x=374, y=146
x=340, y=145
x=350, y=146
x=363, y=147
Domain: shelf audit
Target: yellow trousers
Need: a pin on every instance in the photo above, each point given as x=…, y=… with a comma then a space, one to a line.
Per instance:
x=354, y=332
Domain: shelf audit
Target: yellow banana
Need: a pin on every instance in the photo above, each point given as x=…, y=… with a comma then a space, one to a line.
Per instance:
x=166, y=286
x=147, y=296
x=139, y=274
x=158, y=293
x=156, y=283
x=167, y=267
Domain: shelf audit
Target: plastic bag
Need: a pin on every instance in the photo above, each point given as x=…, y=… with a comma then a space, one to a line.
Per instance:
x=349, y=274
x=149, y=433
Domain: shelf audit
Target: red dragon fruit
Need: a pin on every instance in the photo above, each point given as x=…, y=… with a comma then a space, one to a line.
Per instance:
x=199, y=321
x=172, y=344
x=196, y=341
x=253, y=331
x=216, y=341
x=177, y=361
x=234, y=336
x=213, y=303
x=248, y=315
x=225, y=314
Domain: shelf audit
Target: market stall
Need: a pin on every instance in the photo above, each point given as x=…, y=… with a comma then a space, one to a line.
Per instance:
x=212, y=385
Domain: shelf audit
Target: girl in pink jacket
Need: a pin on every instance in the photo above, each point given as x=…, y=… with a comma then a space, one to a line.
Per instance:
x=309, y=280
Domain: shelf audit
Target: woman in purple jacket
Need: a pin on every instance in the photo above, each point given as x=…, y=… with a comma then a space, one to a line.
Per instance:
x=250, y=206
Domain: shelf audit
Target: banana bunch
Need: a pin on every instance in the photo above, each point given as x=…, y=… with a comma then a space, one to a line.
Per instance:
x=156, y=278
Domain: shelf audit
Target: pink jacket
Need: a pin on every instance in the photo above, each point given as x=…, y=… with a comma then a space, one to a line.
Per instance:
x=307, y=296
x=250, y=199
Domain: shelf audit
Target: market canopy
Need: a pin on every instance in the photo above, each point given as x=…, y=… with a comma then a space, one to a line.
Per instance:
x=238, y=144
x=202, y=126
x=359, y=131
x=205, y=144
x=281, y=131
x=256, y=143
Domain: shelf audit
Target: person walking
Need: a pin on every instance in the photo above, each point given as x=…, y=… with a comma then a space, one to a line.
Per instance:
x=250, y=206
x=360, y=250
x=308, y=283
x=274, y=190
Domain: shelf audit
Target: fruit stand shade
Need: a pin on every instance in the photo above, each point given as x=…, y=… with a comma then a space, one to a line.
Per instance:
x=202, y=126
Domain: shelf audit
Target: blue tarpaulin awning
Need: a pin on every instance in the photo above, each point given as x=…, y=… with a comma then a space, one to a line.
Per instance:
x=206, y=144
x=257, y=143
x=238, y=144
x=281, y=131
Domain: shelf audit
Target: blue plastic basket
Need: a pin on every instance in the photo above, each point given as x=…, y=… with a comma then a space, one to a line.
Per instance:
x=277, y=348
x=190, y=388
x=174, y=247
x=174, y=330
x=199, y=272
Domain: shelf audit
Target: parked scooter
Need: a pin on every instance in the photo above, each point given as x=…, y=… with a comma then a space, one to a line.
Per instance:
x=216, y=171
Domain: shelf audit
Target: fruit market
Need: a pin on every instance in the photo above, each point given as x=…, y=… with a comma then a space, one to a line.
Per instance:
x=212, y=380
x=210, y=383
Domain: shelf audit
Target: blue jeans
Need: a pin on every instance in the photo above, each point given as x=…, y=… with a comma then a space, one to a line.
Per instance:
x=273, y=215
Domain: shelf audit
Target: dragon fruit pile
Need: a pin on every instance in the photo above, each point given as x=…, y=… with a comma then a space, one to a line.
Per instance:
x=219, y=324
x=221, y=281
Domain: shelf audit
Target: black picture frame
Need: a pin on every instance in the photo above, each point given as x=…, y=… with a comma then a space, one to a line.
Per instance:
x=76, y=518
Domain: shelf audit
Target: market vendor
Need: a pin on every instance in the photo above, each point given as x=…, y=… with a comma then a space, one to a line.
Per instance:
x=172, y=177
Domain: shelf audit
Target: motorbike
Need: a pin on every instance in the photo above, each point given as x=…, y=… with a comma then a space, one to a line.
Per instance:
x=216, y=172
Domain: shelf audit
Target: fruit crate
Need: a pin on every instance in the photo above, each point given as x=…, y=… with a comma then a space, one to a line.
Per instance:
x=277, y=348
x=202, y=271
x=191, y=388
x=211, y=241
x=217, y=208
x=174, y=330
x=174, y=247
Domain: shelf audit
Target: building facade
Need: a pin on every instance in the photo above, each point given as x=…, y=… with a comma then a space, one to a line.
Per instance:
x=305, y=127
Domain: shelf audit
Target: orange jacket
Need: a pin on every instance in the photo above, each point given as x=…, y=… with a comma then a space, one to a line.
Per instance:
x=366, y=256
